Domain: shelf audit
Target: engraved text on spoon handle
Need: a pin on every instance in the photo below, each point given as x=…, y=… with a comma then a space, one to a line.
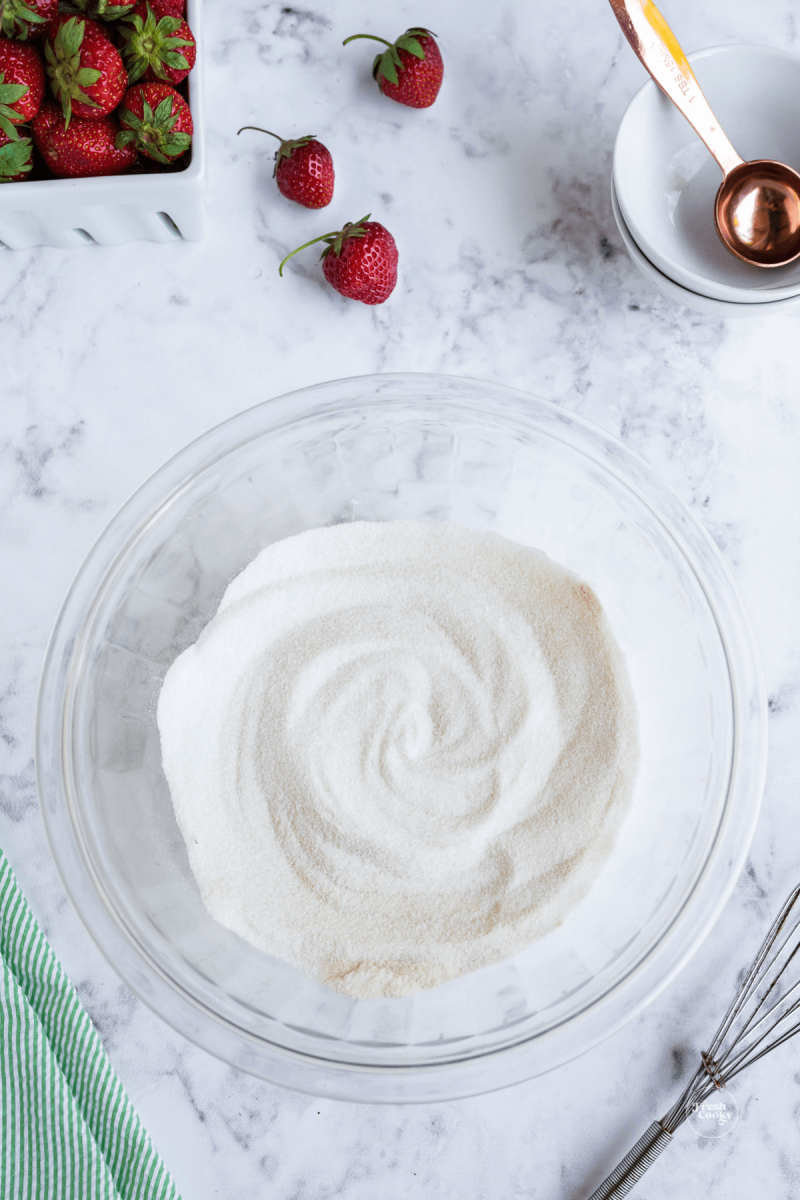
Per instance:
x=658, y=50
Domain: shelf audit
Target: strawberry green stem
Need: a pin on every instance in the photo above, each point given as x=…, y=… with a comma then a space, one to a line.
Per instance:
x=370, y=36
x=305, y=246
x=258, y=129
x=334, y=239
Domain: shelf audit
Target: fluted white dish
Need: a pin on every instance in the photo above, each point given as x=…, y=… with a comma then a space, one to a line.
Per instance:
x=666, y=180
x=112, y=209
x=682, y=295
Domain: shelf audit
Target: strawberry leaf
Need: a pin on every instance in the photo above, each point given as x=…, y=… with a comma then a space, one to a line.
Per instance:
x=171, y=58
x=86, y=76
x=136, y=72
x=69, y=39
x=8, y=128
x=163, y=112
x=15, y=159
x=152, y=152
x=177, y=143
x=386, y=67
x=136, y=23
x=411, y=45
x=130, y=119
x=11, y=92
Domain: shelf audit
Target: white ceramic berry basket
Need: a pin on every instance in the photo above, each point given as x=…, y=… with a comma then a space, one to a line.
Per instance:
x=114, y=209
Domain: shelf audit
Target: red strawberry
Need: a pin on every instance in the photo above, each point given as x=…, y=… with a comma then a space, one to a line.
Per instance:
x=411, y=70
x=84, y=148
x=15, y=158
x=303, y=169
x=168, y=8
x=86, y=73
x=360, y=261
x=156, y=120
x=105, y=10
x=157, y=46
x=23, y=19
x=21, y=85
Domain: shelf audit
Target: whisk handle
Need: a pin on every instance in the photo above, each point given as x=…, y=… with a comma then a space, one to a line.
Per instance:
x=634, y=1164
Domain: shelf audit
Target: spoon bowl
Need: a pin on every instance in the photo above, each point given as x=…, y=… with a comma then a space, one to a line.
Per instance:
x=757, y=211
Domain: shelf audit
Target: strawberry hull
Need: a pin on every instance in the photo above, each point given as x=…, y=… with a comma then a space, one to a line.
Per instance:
x=159, y=207
x=157, y=47
x=157, y=121
x=86, y=73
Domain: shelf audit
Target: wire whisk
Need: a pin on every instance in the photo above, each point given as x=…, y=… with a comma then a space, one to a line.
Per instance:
x=765, y=1012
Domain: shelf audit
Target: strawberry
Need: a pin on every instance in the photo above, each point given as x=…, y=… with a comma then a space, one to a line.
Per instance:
x=82, y=148
x=156, y=120
x=15, y=158
x=303, y=169
x=360, y=261
x=23, y=19
x=86, y=73
x=411, y=70
x=168, y=8
x=157, y=46
x=105, y=10
x=21, y=85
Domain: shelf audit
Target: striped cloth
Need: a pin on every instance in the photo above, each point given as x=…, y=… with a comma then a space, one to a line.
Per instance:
x=67, y=1129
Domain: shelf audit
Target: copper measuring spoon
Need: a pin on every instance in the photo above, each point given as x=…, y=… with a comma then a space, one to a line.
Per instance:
x=757, y=209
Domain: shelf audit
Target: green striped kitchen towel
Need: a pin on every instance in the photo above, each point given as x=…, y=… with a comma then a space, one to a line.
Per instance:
x=67, y=1129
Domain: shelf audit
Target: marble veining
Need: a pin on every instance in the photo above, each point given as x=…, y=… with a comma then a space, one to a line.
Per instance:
x=511, y=269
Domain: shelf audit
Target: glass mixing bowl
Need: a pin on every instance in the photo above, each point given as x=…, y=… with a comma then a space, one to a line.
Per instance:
x=426, y=448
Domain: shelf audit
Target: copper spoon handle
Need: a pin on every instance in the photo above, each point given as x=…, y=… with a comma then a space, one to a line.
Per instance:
x=657, y=48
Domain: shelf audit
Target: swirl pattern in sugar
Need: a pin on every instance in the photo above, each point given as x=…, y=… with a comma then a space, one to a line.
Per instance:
x=399, y=752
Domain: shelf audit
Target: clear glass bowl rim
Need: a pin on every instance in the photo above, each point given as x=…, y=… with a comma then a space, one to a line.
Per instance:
x=495, y=1069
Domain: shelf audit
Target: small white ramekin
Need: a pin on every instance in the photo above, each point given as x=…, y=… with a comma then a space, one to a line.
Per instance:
x=681, y=295
x=666, y=180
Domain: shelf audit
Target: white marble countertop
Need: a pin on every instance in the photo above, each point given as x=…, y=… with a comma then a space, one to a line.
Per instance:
x=511, y=269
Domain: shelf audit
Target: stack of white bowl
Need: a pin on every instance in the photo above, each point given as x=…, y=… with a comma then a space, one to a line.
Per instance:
x=664, y=180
